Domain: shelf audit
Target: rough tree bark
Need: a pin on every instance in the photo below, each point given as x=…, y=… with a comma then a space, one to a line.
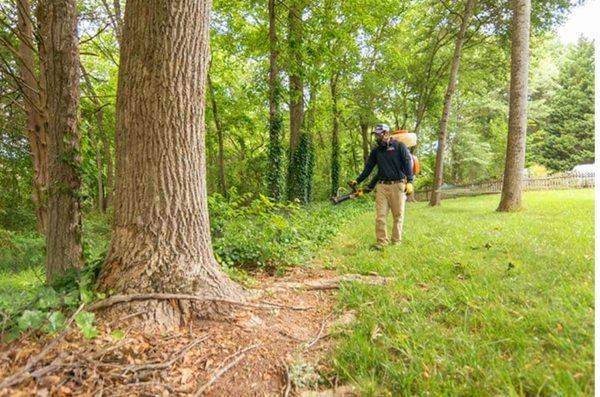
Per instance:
x=438, y=174
x=161, y=235
x=276, y=152
x=335, y=144
x=219, y=127
x=58, y=22
x=512, y=186
x=34, y=95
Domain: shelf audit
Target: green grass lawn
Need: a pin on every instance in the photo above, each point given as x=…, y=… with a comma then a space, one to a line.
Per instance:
x=483, y=303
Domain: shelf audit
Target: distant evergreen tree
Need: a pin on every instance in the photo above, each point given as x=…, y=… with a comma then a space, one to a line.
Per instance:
x=570, y=139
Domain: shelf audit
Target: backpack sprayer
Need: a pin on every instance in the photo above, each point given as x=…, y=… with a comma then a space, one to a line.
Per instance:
x=407, y=138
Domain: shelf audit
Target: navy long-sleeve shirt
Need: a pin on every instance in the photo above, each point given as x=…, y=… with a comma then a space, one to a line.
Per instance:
x=393, y=163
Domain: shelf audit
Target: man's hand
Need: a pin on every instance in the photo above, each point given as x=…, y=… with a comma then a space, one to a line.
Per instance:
x=410, y=188
x=353, y=183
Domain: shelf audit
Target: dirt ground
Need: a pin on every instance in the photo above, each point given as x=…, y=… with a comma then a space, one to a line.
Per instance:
x=256, y=352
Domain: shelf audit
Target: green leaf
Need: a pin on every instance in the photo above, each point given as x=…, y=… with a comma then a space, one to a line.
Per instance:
x=117, y=334
x=87, y=295
x=71, y=299
x=56, y=322
x=48, y=299
x=11, y=335
x=85, y=322
x=30, y=319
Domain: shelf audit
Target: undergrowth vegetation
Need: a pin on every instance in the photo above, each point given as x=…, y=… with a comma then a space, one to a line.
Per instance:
x=249, y=234
x=258, y=233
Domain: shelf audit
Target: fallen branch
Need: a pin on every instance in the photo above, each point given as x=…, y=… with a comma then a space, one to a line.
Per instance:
x=319, y=335
x=163, y=365
x=239, y=355
x=117, y=299
x=288, y=381
x=332, y=283
x=24, y=373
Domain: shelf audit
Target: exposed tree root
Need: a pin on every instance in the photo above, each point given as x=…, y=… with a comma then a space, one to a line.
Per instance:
x=117, y=299
x=192, y=368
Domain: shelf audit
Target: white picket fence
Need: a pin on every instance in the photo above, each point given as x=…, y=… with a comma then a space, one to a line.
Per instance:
x=552, y=182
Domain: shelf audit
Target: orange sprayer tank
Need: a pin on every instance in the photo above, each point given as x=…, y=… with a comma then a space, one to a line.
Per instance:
x=416, y=165
x=408, y=138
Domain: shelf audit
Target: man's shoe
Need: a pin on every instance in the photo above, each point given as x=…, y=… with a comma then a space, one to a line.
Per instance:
x=377, y=247
x=395, y=242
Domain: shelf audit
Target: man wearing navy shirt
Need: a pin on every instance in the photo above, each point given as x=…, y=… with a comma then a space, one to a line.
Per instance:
x=394, y=177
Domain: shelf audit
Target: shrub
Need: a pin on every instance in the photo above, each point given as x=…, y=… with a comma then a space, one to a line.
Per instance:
x=261, y=234
x=19, y=251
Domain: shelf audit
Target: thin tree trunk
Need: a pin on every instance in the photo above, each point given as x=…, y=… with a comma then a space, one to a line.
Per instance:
x=109, y=186
x=312, y=108
x=97, y=139
x=61, y=63
x=297, y=161
x=335, y=142
x=161, y=234
x=276, y=176
x=364, y=133
x=99, y=176
x=396, y=121
x=116, y=19
x=405, y=111
x=220, y=156
x=35, y=108
x=512, y=186
x=295, y=72
x=443, y=135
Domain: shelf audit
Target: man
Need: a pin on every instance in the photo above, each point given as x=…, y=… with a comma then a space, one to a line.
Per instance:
x=394, y=176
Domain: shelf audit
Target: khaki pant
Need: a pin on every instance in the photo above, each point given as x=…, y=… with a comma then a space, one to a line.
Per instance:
x=389, y=197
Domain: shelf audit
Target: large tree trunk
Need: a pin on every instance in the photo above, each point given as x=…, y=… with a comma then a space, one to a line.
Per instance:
x=295, y=72
x=61, y=64
x=161, y=235
x=35, y=105
x=276, y=153
x=443, y=135
x=219, y=127
x=335, y=140
x=512, y=185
